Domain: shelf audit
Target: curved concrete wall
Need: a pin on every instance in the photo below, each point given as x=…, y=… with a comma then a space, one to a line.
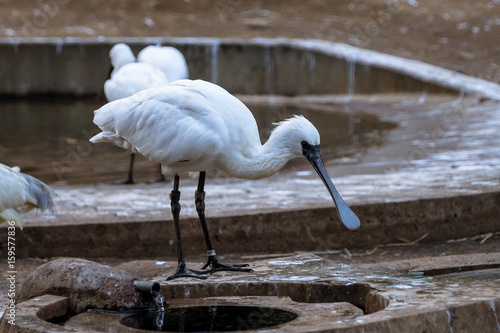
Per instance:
x=290, y=67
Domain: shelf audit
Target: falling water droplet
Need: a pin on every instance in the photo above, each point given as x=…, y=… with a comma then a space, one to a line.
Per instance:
x=160, y=310
x=160, y=307
x=269, y=71
x=215, y=69
x=311, y=68
x=351, y=71
x=59, y=46
x=159, y=318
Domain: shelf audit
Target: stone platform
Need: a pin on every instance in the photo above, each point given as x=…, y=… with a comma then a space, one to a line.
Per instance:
x=327, y=296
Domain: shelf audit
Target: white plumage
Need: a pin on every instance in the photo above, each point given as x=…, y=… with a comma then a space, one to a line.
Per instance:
x=197, y=126
x=129, y=77
x=166, y=58
x=156, y=66
x=20, y=193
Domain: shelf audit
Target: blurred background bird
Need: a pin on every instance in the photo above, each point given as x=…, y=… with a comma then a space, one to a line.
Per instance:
x=155, y=66
x=20, y=193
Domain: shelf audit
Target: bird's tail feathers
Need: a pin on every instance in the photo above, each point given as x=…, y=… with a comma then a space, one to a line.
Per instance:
x=42, y=194
x=114, y=139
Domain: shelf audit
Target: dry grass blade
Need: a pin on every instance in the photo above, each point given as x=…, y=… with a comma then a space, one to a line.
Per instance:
x=406, y=243
x=486, y=237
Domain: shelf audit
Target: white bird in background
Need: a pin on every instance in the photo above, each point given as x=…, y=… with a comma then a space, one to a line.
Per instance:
x=198, y=126
x=156, y=66
x=20, y=193
x=166, y=58
x=127, y=78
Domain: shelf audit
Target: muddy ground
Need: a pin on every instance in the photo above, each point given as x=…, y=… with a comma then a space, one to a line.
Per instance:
x=460, y=35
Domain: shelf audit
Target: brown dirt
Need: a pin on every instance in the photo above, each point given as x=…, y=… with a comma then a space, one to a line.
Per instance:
x=459, y=35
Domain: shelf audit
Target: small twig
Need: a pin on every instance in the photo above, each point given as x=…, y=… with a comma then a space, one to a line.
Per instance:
x=319, y=252
x=348, y=254
x=370, y=252
x=457, y=240
x=486, y=237
x=407, y=243
x=476, y=237
x=404, y=240
x=483, y=237
x=345, y=256
x=420, y=239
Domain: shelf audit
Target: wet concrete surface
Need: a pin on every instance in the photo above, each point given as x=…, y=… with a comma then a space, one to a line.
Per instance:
x=327, y=296
x=438, y=166
x=442, y=147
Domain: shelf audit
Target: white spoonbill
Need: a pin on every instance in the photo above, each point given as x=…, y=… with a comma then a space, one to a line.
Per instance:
x=128, y=76
x=198, y=126
x=20, y=193
x=156, y=66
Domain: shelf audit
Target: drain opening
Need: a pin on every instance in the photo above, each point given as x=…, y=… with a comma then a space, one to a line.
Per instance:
x=209, y=319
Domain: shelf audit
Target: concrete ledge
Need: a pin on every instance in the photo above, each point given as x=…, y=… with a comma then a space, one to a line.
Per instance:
x=440, y=218
x=290, y=67
x=33, y=315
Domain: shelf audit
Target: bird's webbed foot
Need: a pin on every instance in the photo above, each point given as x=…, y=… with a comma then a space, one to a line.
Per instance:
x=216, y=266
x=183, y=271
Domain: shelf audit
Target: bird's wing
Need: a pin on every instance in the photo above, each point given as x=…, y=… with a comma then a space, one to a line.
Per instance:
x=20, y=193
x=166, y=124
x=132, y=78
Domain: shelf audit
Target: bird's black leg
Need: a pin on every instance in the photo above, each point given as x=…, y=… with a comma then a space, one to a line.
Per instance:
x=130, y=178
x=161, y=178
x=182, y=270
x=214, y=264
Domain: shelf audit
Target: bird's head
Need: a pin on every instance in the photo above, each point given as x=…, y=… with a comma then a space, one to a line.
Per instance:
x=121, y=54
x=302, y=138
x=296, y=130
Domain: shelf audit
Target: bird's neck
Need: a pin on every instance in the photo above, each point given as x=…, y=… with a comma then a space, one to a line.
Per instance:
x=264, y=160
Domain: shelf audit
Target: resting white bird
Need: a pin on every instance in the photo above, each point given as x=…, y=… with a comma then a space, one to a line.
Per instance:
x=198, y=126
x=157, y=66
x=166, y=58
x=20, y=193
x=129, y=77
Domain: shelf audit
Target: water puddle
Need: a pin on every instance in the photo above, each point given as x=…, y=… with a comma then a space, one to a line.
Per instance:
x=209, y=319
x=48, y=138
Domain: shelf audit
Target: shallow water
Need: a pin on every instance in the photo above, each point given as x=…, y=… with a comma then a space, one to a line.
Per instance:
x=209, y=319
x=48, y=138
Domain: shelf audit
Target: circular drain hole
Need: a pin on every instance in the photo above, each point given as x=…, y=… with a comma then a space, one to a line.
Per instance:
x=209, y=319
